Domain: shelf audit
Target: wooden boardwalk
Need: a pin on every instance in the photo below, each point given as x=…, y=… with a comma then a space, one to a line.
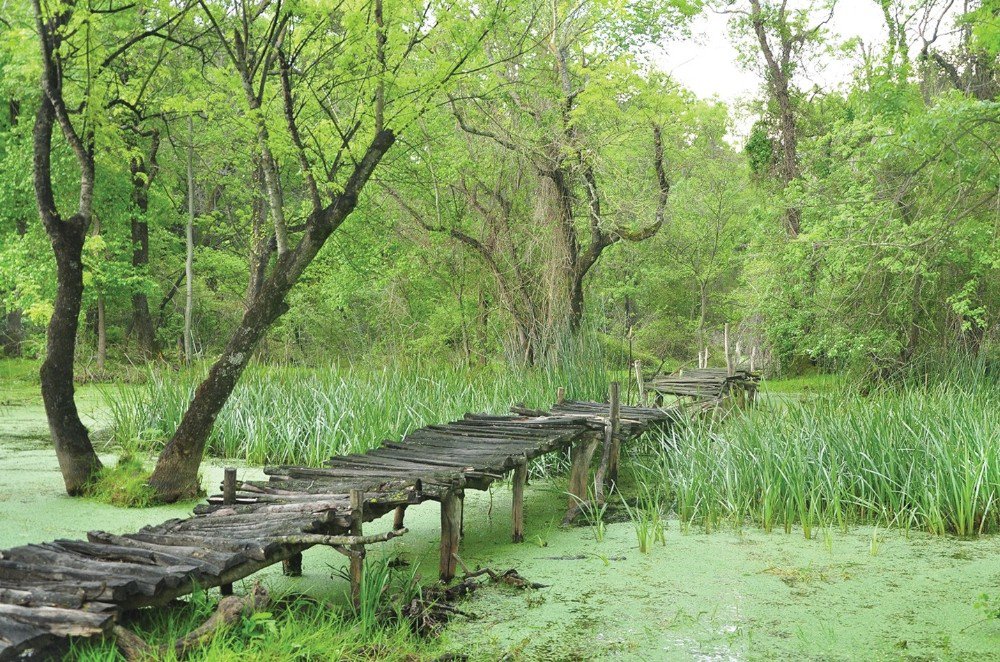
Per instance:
x=79, y=588
x=707, y=384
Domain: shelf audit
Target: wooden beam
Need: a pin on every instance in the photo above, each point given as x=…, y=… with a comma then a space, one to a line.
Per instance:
x=580, y=457
x=517, y=509
x=357, y=551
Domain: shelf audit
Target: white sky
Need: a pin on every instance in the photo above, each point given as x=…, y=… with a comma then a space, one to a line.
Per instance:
x=706, y=63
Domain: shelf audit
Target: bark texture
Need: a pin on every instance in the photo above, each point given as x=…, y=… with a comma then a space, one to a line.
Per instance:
x=77, y=460
x=143, y=172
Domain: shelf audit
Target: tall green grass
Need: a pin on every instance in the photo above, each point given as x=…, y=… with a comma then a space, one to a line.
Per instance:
x=924, y=456
x=294, y=628
x=304, y=416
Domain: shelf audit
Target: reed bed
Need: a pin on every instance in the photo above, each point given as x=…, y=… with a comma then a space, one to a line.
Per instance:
x=298, y=415
x=925, y=456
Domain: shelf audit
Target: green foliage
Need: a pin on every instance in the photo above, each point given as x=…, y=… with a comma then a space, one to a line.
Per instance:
x=123, y=485
x=990, y=607
x=897, y=189
x=647, y=517
x=760, y=150
x=296, y=628
x=338, y=410
x=924, y=456
x=897, y=225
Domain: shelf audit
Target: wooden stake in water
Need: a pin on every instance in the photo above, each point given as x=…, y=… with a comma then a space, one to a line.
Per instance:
x=357, y=551
x=451, y=528
x=560, y=395
x=615, y=418
x=228, y=499
x=397, y=518
x=519, y=479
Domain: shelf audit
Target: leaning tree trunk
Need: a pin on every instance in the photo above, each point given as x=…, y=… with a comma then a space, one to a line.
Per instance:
x=77, y=460
x=176, y=473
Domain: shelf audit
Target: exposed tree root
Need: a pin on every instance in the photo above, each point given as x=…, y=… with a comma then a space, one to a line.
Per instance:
x=429, y=612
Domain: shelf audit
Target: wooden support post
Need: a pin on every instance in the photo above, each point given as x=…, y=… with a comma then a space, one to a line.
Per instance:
x=580, y=457
x=451, y=514
x=229, y=486
x=615, y=418
x=725, y=344
x=292, y=566
x=639, y=383
x=357, y=551
x=228, y=498
x=397, y=518
x=461, y=515
x=560, y=395
x=520, y=477
x=602, y=468
x=753, y=357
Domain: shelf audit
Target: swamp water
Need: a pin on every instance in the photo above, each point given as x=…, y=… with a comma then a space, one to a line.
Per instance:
x=729, y=595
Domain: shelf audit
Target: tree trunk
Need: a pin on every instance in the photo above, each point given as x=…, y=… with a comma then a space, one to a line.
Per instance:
x=102, y=334
x=262, y=245
x=101, y=326
x=142, y=321
x=778, y=73
x=176, y=473
x=189, y=240
x=702, y=313
x=77, y=460
x=13, y=334
x=576, y=303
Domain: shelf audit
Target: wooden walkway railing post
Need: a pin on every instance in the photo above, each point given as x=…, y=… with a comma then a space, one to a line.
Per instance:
x=451, y=528
x=581, y=454
x=229, y=499
x=397, y=518
x=520, y=478
x=357, y=551
x=615, y=419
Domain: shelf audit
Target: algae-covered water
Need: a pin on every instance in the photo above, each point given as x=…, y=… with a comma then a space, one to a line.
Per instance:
x=729, y=595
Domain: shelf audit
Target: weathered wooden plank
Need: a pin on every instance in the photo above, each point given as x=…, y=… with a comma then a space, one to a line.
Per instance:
x=247, y=528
